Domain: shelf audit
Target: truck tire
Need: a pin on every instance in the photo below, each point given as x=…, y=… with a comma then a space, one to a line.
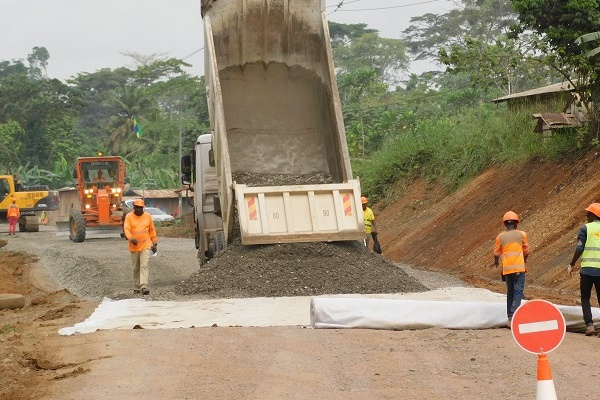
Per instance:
x=210, y=253
x=197, y=236
x=76, y=226
x=11, y=301
x=219, y=241
x=29, y=223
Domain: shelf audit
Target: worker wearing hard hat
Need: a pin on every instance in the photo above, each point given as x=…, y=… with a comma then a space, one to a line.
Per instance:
x=588, y=248
x=140, y=232
x=13, y=215
x=512, y=248
x=369, y=219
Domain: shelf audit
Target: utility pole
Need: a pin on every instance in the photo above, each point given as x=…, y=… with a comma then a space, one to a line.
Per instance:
x=180, y=172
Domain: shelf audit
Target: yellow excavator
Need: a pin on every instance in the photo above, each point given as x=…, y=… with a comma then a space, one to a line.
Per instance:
x=32, y=201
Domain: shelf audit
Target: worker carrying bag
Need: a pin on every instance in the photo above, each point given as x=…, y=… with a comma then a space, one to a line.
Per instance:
x=376, y=245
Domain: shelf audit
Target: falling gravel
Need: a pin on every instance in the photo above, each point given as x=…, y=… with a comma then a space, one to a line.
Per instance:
x=295, y=269
x=252, y=179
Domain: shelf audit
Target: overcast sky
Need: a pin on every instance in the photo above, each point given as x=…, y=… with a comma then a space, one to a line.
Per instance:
x=87, y=35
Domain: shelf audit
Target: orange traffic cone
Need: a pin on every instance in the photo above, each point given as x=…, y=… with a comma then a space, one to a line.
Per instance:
x=545, y=384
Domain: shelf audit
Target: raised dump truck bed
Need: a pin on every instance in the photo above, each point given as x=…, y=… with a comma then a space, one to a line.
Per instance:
x=274, y=108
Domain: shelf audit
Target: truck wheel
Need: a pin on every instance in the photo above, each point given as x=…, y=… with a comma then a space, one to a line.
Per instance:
x=11, y=301
x=197, y=236
x=76, y=226
x=219, y=241
x=211, y=251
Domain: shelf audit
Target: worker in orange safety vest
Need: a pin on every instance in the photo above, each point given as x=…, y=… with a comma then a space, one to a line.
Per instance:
x=512, y=248
x=140, y=232
x=13, y=215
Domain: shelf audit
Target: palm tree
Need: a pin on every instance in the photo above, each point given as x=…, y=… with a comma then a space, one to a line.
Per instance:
x=128, y=101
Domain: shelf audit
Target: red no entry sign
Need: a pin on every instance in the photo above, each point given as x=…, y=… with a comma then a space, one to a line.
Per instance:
x=538, y=326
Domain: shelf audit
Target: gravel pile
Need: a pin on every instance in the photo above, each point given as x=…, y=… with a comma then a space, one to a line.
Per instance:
x=298, y=269
x=252, y=179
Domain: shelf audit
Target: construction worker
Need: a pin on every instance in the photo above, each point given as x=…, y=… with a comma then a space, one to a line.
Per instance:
x=99, y=177
x=140, y=232
x=13, y=215
x=369, y=219
x=512, y=248
x=588, y=248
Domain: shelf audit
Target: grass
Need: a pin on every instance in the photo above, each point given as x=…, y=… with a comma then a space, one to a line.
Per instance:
x=455, y=149
x=8, y=329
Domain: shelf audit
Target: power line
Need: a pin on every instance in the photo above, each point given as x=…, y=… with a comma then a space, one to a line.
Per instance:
x=386, y=8
x=191, y=54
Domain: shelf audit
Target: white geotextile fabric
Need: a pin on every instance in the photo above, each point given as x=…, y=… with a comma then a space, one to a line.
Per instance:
x=400, y=314
x=377, y=311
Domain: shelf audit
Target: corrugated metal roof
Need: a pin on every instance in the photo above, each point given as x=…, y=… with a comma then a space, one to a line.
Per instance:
x=160, y=193
x=554, y=88
x=555, y=121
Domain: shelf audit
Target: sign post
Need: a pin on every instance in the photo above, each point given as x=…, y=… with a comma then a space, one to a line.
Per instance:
x=539, y=327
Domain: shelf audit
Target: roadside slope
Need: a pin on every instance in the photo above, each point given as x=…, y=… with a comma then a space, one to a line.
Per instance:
x=455, y=233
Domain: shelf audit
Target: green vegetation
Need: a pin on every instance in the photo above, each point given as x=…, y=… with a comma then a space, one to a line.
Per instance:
x=454, y=149
x=8, y=329
x=440, y=125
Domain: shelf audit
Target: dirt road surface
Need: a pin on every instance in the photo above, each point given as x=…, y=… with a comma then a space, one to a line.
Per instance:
x=64, y=282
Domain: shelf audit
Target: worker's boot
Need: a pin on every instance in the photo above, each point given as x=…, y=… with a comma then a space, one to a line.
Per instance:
x=590, y=330
x=145, y=291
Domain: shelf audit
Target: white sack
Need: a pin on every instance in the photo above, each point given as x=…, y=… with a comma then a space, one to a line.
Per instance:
x=400, y=314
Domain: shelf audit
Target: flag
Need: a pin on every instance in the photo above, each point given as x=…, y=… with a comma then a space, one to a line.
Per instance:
x=137, y=129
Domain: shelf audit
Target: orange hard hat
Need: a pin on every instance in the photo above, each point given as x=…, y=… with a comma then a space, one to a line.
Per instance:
x=14, y=200
x=138, y=203
x=594, y=208
x=510, y=216
x=363, y=200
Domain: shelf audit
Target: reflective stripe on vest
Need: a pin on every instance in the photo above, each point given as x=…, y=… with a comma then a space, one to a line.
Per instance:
x=591, y=253
x=512, y=257
x=13, y=210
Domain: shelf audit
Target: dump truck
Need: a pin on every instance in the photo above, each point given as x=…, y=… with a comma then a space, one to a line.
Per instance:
x=274, y=110
x=33, y=201
x=100, y=211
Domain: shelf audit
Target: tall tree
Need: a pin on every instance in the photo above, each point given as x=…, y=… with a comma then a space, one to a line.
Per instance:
x=38, y=61
x=481, y=20
x=561, y=23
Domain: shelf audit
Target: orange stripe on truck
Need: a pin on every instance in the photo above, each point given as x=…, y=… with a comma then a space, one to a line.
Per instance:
x=347, y=205
x=252, y=209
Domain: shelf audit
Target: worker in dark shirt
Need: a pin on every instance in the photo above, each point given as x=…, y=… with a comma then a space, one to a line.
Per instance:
x=588, y=248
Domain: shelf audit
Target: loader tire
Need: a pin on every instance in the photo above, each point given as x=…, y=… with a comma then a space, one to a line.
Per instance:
x=11, y=301
x=76, y=226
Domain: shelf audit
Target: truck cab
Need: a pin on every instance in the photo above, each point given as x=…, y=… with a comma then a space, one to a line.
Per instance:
x=209, y=235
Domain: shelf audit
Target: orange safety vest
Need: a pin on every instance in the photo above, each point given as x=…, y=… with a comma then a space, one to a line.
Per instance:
x=13, y=211
x=142, y=228
x=512, y=247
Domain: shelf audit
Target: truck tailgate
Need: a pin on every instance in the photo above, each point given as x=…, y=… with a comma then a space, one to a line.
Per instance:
x=302, y=213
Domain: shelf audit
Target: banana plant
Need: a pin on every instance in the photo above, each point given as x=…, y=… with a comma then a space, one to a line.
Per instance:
x=588, y=37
